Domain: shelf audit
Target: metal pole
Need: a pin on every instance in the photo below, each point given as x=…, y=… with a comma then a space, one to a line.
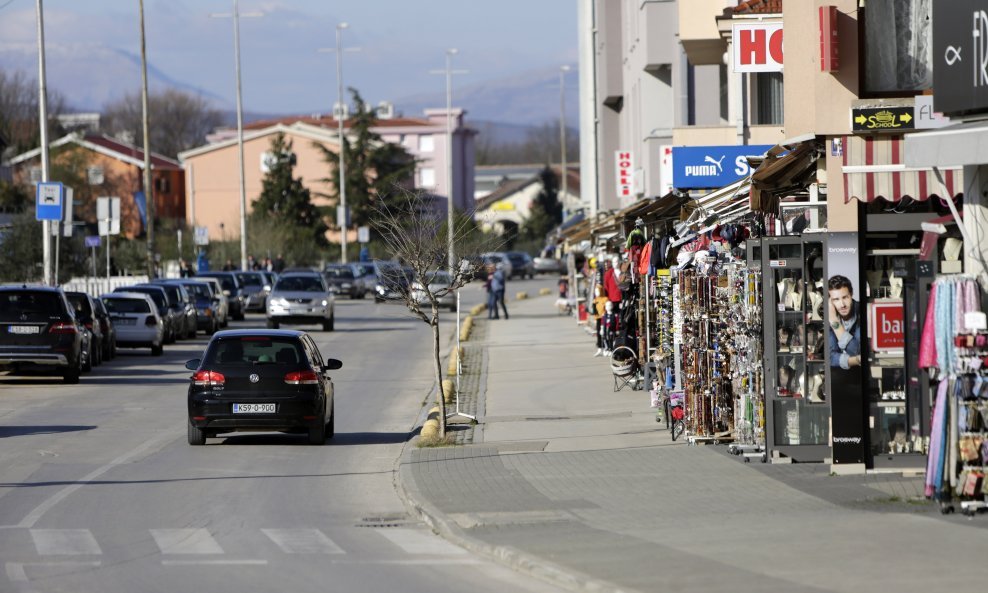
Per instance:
x=240, y=139
x=148, y=186
x=43, y=129
x=449, y=164
x=342, y=166
x=562, y=128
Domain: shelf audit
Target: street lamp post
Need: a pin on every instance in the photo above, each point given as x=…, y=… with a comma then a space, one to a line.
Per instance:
x=43, y=130
x=236, y=15
x=148, y=187
x=562, y=129
x=342, y=218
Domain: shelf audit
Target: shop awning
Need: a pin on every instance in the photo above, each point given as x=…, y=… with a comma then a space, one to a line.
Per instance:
x=725, y=204
x=952, y=146
x=875, y=167
x=785, y=168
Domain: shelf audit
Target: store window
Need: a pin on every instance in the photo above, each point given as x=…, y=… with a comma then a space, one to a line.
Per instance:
x=898, y=45
x=768, y=99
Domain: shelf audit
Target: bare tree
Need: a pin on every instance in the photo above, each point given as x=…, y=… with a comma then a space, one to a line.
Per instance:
x=19, y=111
x=179, y=120
x=417, y=235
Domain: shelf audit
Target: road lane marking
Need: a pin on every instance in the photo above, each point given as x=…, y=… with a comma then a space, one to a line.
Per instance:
x=185, y=541
x=16, y=572
x=416, y=541
x=59, y=542
x=34, y=516
x=303, y=541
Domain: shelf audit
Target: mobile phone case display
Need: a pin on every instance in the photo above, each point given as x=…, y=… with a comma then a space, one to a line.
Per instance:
x=709, y=401
x=744, y=344
x=793, y=295
x=958, y=449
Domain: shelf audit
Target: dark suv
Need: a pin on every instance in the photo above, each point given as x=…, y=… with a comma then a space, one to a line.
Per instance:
x=85, y=313
x=39, y=333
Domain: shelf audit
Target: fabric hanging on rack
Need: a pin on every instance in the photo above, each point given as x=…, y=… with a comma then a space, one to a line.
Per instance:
x=935, y=459
x=928, y=339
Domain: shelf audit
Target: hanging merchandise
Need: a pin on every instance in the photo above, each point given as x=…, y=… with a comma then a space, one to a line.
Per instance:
x=743, y=336
x=955, y=338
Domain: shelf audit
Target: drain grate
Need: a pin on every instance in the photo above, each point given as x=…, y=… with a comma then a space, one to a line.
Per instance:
x=385, y=521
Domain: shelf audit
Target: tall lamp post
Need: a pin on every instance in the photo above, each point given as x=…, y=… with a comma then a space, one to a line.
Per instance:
x=148, y=188
x=562, y=128
x=236, y=15
x=43, y=130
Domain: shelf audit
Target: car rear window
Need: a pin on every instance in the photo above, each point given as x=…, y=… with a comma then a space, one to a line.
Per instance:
x=255, y=350
x=200, y=291
x=81, y=305
x=33, y=304
x=124, y=305
x=339, y=272
x=156, y=295
x=251, y=279
x=299, y=284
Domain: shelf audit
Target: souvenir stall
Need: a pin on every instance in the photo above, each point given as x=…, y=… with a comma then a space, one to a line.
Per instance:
x=954, y=345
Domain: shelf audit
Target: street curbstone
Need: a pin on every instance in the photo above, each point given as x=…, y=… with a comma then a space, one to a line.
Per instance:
x=521, y=296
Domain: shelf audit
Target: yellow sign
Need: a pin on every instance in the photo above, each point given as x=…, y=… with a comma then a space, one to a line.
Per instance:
x=885, y=119
x=503, y=206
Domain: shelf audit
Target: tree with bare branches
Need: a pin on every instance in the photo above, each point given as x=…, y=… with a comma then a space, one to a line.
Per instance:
x=416, y=234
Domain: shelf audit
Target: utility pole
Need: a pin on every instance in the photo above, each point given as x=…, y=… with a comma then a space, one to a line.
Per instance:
x=236, y=15
x=148, y=185
x=449, y=72
x=43, y=125
x=564, y=174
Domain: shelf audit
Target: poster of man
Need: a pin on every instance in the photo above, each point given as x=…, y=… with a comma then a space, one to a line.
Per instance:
x=845, y=324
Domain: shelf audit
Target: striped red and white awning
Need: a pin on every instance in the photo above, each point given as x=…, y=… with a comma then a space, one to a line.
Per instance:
x=873, y=167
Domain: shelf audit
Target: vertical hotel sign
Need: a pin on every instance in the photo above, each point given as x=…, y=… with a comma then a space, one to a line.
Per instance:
x=829, y=48
x=624, y=161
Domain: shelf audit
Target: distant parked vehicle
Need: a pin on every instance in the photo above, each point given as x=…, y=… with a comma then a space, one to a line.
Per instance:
x=39, y=333
x=255, y=289
x=109, y=332
x=85, y=314
x=232, y=289
x=202, y=296
x=548, y=265
x=499, y=258
x=221, y=302
x=345, y=279
x=138, y=320
x=521, y=264
x=438, y=281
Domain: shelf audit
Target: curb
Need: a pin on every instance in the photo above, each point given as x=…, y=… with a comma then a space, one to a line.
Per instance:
x=522, y=562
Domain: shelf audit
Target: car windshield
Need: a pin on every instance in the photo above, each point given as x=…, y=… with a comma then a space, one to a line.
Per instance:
x=32, y=304
x=198, y=290
x=226, y=282
x=299, y=284
x=439, y=277
x=250, y=279
x=156, y=295
x=339, y=272
x=122, y=305
x=254, y=350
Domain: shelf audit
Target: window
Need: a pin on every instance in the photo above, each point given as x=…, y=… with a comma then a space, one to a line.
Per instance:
x=768, y=98
x=95, y=175
x=427, y=177
x=162, y=185
x=898, y=45
x=426, y=144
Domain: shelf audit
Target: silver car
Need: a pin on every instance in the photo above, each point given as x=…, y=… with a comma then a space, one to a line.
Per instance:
x=136, y=319
x=301, y=297
x=439, y=281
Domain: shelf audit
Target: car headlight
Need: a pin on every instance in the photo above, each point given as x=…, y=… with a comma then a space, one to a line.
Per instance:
x=347, y=285
x=278, y=302
x=325, y=302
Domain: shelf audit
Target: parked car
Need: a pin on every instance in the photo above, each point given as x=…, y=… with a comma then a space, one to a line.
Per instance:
x=181, y=303
x=170, y=318
x=499, y=258
x=109, y=332
x=439, y=281
x=392, y=283
x=201, y=294
x=83, y=307
x=39, y=333
x=301, y=297
x=138, y=320
x=261, y=380
x=522, y=265
x=549, y=265
x=255, y=289
x=231, y=288
x=345, y=279
x=221, y=302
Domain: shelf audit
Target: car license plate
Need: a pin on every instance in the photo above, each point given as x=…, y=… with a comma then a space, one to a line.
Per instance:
x=24, y=329
x=124, y=321
x=254, y=408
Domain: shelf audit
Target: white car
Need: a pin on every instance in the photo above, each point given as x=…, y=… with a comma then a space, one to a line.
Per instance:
x=439, y=281
x=301, y=297
x=136, y=319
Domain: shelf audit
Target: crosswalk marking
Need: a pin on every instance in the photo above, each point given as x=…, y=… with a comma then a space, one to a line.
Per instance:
x=185, y=541
x=415, y=541
x=54, y=542
x=303, y=541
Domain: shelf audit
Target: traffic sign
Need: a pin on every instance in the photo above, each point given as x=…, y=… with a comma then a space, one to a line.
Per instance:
x=201, y=235
x=108, y=215
x=363, y=234
x=67, y=219
x=92, y=241
x=49, y=200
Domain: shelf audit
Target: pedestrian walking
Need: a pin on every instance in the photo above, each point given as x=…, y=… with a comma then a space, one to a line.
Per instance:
x=498, y=286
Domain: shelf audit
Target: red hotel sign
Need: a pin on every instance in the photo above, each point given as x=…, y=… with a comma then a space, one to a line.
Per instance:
x=887, y=327
x=829, y=48
x=757, y=47
x=624, y=161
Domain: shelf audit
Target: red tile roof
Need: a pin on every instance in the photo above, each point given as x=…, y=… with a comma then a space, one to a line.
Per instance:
x=122, y=148
x=330, y=122
x=758, y=7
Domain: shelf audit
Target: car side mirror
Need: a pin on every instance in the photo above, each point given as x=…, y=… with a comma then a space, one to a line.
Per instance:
x=226, y=292
x=193, y=364
x=332, y=364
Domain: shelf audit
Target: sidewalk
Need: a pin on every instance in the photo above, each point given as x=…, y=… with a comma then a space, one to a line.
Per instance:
x=579, y=485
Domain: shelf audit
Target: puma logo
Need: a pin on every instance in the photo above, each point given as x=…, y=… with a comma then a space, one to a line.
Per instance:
x=716, y=163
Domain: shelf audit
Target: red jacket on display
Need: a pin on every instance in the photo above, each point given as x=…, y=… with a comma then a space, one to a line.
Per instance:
x=611, y=286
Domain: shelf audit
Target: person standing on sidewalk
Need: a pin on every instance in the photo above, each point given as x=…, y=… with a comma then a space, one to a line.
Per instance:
x=491, y=295
x=497, y=289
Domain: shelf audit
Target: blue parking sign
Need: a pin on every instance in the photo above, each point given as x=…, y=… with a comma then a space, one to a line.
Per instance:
x=49, y=201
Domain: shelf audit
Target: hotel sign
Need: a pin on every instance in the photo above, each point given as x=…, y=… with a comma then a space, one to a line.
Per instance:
x=624, y=162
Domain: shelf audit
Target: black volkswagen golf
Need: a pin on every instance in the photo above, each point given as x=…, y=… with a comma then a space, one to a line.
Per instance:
x=261, y=380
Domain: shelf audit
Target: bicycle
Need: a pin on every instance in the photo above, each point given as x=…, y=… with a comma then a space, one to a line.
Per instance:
x=678, y=414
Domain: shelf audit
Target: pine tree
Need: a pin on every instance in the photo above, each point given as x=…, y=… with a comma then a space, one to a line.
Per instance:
x=283, y=197
x=546, y=212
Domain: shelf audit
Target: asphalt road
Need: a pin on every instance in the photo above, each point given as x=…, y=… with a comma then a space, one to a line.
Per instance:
x=99, y=491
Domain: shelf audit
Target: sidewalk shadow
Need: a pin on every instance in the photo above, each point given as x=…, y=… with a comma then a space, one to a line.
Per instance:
x=19, y=431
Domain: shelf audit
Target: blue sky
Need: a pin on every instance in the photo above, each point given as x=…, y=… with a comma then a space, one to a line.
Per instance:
x=400, y=41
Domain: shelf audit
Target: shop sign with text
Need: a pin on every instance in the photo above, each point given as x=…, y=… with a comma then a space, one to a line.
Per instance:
x=696, y=167
x=960, y=56
x=887, y=330
x=882, y=119
x=757, y=47
x=624, y=162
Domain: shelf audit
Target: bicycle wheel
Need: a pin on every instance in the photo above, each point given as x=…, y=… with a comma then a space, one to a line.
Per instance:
x=678, y=428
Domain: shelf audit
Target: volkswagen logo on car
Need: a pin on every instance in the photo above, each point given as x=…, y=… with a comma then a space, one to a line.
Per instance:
x=254, y=378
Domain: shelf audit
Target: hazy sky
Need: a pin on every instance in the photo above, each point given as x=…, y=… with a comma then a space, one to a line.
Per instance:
x=400, y=41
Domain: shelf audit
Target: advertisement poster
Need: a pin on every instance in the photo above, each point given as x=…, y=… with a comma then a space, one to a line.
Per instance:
x=846, y=343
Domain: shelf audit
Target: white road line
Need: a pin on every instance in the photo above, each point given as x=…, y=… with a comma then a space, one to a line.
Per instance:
x=17, y=574
x=213, y=562
x=57, y=542
x=185, y=541
x=417, y=541
x=303, y=541
x=34, y=516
